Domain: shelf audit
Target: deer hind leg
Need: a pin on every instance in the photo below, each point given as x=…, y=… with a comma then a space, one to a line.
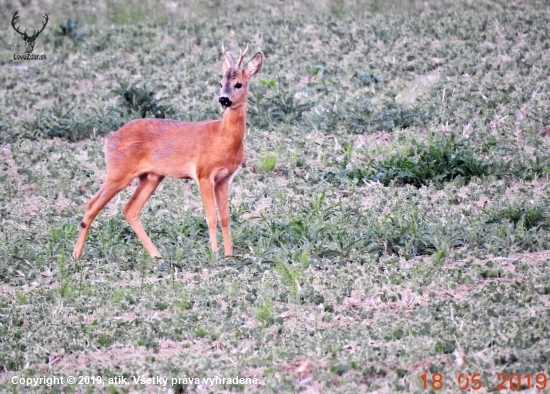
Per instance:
x=110, y=189
x=147, y=185
x=221, y=190
x=207, y=194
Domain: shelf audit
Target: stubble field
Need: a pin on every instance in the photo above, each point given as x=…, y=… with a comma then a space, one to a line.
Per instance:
x=390, y=219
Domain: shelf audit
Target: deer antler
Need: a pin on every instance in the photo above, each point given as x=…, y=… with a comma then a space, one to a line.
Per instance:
x=241, y=57
x=34, y=35
x=229, y=61
x=14, y=21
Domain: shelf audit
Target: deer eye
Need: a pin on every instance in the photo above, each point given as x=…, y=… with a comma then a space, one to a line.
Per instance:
x=221, y=85
x=239, y=85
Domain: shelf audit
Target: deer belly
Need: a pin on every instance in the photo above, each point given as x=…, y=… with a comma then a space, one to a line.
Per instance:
x=181, y=171
x=188, y=171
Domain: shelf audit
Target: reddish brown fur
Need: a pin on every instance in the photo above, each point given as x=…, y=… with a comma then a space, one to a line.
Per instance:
x=210, y=152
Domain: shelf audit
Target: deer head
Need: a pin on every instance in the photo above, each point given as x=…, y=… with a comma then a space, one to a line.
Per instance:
x=234, y=84
x=29, y=40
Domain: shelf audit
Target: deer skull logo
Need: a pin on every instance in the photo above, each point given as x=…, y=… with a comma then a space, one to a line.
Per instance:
x=29, y=40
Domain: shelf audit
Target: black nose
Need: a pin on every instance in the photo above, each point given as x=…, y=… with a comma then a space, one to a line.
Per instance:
x=225, y=102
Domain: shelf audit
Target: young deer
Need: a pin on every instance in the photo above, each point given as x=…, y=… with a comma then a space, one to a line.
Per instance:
x=210, y=152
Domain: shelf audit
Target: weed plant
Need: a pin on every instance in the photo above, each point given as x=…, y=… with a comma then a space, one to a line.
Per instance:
x=141, y=102
x=72, y=30
x=423, y=164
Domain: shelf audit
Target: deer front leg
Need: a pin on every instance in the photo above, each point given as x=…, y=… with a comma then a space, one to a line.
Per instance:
x=207, y=194
x=221, y=190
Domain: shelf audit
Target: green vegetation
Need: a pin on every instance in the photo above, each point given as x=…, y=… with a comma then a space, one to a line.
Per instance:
x=390, y=220
x=140, y=102
x=421, y=165
x=268, y=163
x=72, y=30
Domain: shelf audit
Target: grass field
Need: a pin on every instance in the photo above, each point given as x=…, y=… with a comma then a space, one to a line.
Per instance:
x=390, y=220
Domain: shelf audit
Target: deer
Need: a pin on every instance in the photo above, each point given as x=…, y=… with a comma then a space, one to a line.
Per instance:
x=29, y=40
x=209, y=152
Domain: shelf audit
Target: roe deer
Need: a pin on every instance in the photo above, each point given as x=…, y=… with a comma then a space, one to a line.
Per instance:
x=209, y=152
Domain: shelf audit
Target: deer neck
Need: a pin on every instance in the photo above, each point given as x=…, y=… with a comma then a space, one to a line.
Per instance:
x=233, y=123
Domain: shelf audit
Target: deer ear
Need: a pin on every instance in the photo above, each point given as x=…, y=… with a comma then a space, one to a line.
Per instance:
x=254, y=65
x=228, y=62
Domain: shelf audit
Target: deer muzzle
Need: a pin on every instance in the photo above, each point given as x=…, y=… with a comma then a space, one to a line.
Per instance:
x=225, y=102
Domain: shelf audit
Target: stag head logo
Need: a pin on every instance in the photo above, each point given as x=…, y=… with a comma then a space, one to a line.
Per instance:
x=29, y=40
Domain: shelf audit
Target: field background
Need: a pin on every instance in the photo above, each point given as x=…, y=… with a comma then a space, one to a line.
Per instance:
x=391, y=218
